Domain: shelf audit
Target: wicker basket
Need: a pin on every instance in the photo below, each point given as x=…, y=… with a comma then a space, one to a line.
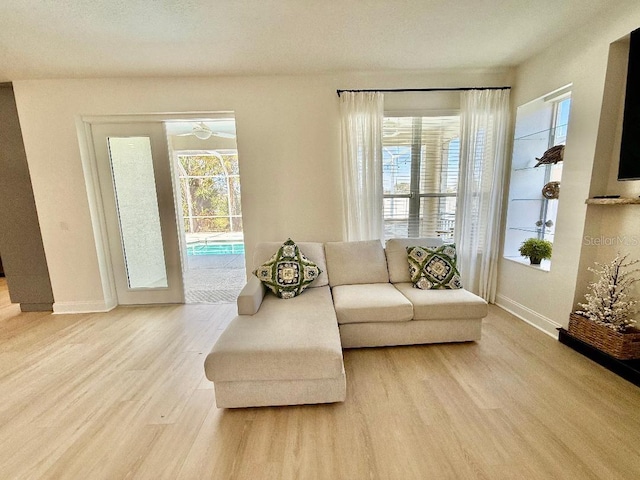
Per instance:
x=623, y=346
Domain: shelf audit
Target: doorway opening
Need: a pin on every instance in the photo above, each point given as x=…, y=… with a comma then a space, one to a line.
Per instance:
x=207, y=179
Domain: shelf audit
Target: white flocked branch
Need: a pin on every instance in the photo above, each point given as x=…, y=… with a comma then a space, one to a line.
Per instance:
x=608, y=302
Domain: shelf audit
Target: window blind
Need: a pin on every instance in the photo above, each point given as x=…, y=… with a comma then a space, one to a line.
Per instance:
x=420, y=175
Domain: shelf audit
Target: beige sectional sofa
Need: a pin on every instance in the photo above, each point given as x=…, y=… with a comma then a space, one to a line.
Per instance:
x=289, y=352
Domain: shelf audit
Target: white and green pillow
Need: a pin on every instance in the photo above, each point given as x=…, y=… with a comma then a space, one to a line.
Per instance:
x=288, y=272
x=434, y=268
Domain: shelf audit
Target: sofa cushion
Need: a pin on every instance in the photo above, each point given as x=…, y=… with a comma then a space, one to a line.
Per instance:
x=357, y=335
x=434, y=268
x=396, y=250
x=293, y=340
x=288, y=272
x=443, y=304
x=314, y=251
x=351, y=263
x=374, y=302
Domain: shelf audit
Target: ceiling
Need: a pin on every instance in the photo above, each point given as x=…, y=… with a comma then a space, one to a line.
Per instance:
x=89, y=38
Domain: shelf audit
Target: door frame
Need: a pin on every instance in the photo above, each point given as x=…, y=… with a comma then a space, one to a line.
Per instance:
x=94, y=195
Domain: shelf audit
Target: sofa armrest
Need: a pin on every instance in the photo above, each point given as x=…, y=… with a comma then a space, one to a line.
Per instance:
x=250, y=298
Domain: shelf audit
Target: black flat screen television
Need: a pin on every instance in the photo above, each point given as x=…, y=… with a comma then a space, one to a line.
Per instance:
x=629, y=168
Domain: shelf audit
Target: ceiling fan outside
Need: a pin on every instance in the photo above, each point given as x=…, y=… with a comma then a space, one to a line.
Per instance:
x=203, y=132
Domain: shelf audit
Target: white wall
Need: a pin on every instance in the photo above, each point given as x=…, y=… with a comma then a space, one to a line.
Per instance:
x=547, y=298
x=288, y=132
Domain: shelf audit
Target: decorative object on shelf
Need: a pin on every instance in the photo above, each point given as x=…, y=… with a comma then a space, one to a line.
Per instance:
x=605, y=320
x=551, y=190
x=623, y=346
x=536, y=250
x=548, y=223
x=551, y=156
x=608, y=302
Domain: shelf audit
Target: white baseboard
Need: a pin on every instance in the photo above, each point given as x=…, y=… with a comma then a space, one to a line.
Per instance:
x=82, y=307
x=533, y=318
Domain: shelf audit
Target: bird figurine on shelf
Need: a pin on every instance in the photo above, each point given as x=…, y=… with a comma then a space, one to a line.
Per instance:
x=551, y=156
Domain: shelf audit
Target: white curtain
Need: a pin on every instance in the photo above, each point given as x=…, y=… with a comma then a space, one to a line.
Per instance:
x=484, y=120
x=362, y=115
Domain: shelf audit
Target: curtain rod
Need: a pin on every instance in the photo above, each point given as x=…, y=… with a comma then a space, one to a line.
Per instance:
x=444, y=89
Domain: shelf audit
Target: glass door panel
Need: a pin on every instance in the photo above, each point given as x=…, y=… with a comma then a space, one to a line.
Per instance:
x=137, y=209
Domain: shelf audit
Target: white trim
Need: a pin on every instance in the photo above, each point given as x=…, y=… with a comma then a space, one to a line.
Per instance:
x=60, y=308
x=529, y=316
x=545, y=265
x=208, y=151
x=94, y=197
x=158, y=117
x=559, y=94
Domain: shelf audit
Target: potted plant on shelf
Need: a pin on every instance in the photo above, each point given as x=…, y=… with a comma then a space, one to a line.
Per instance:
x=605, y=319
x=536, y=250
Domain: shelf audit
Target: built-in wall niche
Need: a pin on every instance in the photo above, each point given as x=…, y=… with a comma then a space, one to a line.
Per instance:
x=535, y=186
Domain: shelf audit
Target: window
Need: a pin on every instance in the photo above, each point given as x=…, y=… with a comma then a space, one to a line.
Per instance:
x=533, y=203
x=420, y=159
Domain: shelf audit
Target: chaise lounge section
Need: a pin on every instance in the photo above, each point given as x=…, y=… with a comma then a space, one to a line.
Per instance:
x=280, y=352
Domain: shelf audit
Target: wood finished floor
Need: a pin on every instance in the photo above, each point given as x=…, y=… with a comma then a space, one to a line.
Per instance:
x=123, y=395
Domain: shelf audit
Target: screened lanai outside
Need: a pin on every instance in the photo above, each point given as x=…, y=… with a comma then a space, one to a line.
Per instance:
x=212, y=223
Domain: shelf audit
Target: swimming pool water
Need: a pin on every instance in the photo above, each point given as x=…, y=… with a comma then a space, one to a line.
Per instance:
x=216, y=249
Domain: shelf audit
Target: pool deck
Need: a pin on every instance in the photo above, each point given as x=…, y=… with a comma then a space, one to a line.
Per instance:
x=214, y=278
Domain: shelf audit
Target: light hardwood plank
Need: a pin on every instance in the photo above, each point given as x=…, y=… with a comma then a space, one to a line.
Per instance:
x=123, y=395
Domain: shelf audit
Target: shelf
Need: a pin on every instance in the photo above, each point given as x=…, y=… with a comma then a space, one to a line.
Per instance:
x=627, y=369
x=612, y=201
x=532, y=199
x=540, y=134
x=531, y=230
x=544, y=266
x=552, y=165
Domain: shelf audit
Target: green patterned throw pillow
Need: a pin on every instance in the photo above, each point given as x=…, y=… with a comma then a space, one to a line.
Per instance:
x=434, y=268
x=288, y=273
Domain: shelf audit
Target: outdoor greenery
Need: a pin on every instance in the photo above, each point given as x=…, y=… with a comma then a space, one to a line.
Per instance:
x=210, y=193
